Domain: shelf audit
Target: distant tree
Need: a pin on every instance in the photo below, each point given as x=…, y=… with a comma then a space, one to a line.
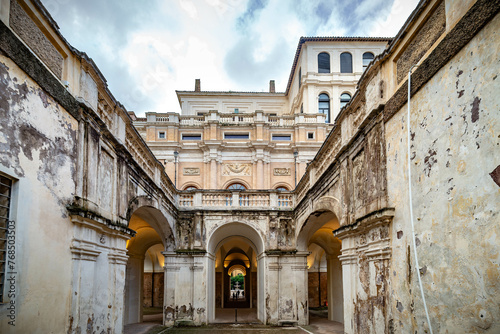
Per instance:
x=238, y=278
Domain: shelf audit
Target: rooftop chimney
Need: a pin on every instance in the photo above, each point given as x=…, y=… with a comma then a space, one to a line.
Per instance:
x=272, y=88
x=197, y=85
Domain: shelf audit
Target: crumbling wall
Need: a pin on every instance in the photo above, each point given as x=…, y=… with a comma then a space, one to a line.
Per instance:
x=455, y=124
x=38, y=150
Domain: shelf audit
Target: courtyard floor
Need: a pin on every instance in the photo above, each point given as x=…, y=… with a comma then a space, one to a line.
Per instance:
x=247, y=324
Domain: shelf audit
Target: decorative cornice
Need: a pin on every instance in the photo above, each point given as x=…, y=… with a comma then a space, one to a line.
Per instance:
x=363, y=224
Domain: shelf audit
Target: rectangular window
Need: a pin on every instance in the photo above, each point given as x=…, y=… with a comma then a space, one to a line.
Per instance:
x=161, y=134
x=310, y=135
x=236, y=135
x=282, y=137
x=236, y=110
x=5, y=195
x=191, y=136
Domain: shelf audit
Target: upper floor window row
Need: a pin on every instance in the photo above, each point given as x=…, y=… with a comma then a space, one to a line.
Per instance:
x=345, y=62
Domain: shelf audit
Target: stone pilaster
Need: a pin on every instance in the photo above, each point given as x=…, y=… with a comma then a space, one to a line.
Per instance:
x=366, y=254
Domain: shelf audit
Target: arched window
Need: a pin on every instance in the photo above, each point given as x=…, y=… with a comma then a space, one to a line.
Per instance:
x=323, y=63
x=300, y=77
x=190, y=188
x=367, y=58
x=344, y=99
x=236, y=186
x=345, y=62
x=281, y=188
x=324, y=106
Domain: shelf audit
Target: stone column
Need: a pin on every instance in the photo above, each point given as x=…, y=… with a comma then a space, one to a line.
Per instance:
x=134, y=289
x=299, y=268
x=185, y=288
x=365, y=258
x=118, y=267
x=170, y=267
x=82, y=287
x=98, y=275
x=272, y=289
x=200, y=285
x=335, y=289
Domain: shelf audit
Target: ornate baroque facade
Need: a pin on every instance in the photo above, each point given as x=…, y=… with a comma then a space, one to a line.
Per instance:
x=90, y=209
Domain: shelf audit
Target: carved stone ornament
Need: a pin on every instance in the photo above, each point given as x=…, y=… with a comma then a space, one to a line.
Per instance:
x=281, y=171
x=237, y=169
x=191, y=171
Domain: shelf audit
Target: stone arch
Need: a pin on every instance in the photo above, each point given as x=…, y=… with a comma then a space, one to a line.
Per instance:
x=251, y=233
x=317, y=229
x=254, y=237
x=321, y=205
x=148, y=209
x=190, y=184
x=282, y=184
x=146, y=217
x=236, y=180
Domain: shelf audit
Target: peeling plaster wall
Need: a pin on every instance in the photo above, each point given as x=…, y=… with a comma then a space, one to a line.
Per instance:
x=38, y=148
x=455, y=124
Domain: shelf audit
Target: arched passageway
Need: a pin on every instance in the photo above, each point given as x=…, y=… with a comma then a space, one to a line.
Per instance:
x=237, y=274
x=144, y=281
x=325, y=286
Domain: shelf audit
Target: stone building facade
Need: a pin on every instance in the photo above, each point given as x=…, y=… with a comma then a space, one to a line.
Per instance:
x=86, y=201
x=260, y=140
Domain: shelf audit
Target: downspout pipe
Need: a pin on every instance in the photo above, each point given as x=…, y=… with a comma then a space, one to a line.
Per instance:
x=411, y=203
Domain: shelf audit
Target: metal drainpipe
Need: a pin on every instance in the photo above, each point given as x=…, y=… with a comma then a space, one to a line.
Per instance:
x=411, y=201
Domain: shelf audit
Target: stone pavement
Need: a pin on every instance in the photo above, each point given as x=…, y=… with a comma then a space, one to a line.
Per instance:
x=247, y=324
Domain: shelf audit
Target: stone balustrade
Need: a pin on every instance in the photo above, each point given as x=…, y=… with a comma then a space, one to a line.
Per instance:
x=241, y=199
x=258, y=116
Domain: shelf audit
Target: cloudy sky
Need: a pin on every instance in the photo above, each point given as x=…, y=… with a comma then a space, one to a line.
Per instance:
x=148, y=49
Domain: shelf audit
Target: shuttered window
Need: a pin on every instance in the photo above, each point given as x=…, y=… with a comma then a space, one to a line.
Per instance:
x=345, y=62
x=323, y=63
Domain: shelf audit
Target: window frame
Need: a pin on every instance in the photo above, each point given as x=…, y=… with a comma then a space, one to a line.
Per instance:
x=371, y=59
x=344, y=102
x=241, y=186
x=342, y=64
x=4, y=232
x=325, y=60
x=240, y=134
x=280, y=136
x=197, y=135
x=320, y=110
x=300, y=77
x=160, y=133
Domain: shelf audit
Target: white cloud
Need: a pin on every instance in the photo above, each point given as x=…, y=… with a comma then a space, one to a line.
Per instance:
x=392, y=23
x=189, y=7
x=148, y=52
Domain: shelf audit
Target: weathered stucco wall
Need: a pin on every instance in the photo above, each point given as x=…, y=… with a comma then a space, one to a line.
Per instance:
x=38, y=148
x=455, y=123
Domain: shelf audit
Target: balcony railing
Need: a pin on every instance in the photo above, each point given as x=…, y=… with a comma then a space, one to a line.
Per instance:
x=247, y=199
x=235, y=118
